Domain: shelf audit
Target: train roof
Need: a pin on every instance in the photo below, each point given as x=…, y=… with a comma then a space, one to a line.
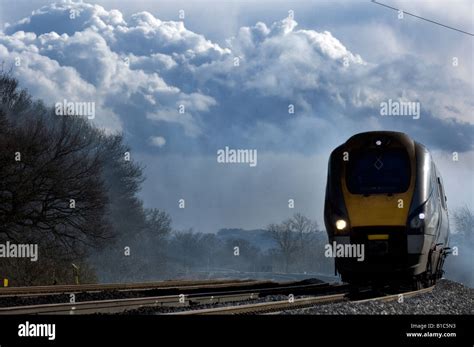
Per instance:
x=401, y=137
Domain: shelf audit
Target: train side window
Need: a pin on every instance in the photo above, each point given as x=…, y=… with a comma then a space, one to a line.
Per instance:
x=441, y=193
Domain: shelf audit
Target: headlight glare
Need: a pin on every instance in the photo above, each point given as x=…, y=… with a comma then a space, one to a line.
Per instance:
x=341, y=224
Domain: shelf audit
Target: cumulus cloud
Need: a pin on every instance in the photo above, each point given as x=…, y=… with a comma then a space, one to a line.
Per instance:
x=143, y=69
x=84, y=52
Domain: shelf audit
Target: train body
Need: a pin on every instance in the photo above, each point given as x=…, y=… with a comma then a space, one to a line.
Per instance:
x=385, y=194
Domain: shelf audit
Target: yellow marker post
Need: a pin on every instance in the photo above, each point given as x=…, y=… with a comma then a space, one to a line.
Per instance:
x=5, y=282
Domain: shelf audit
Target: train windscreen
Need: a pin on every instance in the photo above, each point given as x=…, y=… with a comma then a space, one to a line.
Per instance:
x=376, y=171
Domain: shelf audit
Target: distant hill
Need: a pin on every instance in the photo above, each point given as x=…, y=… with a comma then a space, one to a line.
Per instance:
x=259, y=238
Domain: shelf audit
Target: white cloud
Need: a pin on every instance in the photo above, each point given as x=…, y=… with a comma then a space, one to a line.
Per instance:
x=154, y=66
x=157, y=141
x=282, y=60
x=92, y=57
x=456, y=13
x=67, y=17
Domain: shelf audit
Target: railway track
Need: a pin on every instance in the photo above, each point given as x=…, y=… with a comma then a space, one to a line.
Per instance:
x=190, y=289
x=178, y=300
x=267, y=307
x=93, y=288
x=204, y=293
x=279, y=306
x=119, y=305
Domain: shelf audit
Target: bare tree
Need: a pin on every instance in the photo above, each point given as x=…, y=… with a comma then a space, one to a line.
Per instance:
x=65, y=184
x=303, y=226
x=287, y=241
x=464, y=220
x=291, y=236
x=51, y=188
x=306, y=230
x=459, y=265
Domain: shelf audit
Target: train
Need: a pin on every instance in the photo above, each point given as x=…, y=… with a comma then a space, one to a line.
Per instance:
x=385, y=195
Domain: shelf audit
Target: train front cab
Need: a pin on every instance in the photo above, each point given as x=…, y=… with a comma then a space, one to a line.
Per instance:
x=398, y=214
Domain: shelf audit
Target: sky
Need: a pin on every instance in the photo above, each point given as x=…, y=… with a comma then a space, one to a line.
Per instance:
x=335, y=62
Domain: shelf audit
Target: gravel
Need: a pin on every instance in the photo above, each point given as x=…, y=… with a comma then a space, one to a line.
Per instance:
x=447, y=298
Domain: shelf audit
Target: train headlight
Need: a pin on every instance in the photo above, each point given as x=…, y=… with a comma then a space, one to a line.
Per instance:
x=341, y=224
x=418, y=221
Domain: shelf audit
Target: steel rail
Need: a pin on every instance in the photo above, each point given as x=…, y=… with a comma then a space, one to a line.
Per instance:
x=61, y=289
x=278, y=306
x=268, y=307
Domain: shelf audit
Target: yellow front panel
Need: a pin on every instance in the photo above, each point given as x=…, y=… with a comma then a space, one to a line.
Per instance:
x=379, y=209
